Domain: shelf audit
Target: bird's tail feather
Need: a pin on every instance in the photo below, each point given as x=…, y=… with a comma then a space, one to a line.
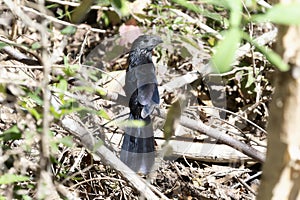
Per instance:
x=138, y=151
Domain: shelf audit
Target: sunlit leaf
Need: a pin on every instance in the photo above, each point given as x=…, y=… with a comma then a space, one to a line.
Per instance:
x=12, y=178
x=101, y=92
x=235, y=7
x=225, y=50
x=36, y=98
x=69, y=30
x=80, y=12
x=103, y=113
x=36, y=45
x=37, y=115
x=250, y=79
x=62, y=85
x=223, y=4
x=172, y=119
x=271, y=56
x=12, y=133
x=132, y=123
x=286, y=14
x=67, y=141
x=199, y=10
x=2, y=44
x=120, y=7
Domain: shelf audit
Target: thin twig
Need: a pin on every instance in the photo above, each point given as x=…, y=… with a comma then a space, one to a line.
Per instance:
x=74, y=4
x=17, y=55
x=245, y=185
x=237, y=115
x=53, y=19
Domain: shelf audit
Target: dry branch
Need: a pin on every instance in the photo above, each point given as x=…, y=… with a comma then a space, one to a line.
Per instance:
x=86, y=138
x=200, y=126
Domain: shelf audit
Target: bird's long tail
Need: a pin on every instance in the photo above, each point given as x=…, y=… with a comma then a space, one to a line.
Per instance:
x=138, y=150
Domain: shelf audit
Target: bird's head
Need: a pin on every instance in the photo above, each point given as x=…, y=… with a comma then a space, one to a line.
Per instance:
x=146, y=42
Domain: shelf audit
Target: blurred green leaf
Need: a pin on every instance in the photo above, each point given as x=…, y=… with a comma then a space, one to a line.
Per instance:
x=12, y=178
x=286, y=14
x=35, y=97
x=80, y=12
x=250, y=79
x=235, y=7
x=36, y=45
x=2, y=44
x=101, y=92
x=199, y=10
x=102, y=2
x=132, y=123
x=225, y=50
x=26, y=197
x=271, y=56
x=120, y=7
x=67, y=141
x=37, y=115
x=62, y=85
x=172, y=119
x=103, y=113
x=219, y=3
x=71, y=69
x=69, y=30
x=13, y=133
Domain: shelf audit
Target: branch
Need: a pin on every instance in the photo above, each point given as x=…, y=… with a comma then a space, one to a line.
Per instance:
x=200, y=126
x=86, y=138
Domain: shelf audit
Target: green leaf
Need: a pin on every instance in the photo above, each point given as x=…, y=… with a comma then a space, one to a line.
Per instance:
x=132, y=123
x=120, y=7
x=69, y=30
x=79, y=13
x=219, y=3
x=2, y=197
x=2, y=44
x=12, y=178
x=235, y=7
x=37, y=115
x=250, y=79
x=67, y=141
x=199, y=10
x=101, y=92
x=172, y=119
x=103, y=113
x=36, y=98
x=225, y=50
x=286, y=14
x=271, y=56
x=274, y=58
x=13, y=133
x=62, y=85
x=36, y=45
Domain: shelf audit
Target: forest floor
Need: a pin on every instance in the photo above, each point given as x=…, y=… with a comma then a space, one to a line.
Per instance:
x=92, y=55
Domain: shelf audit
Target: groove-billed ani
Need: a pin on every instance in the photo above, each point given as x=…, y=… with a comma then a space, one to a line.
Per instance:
x=141, y=89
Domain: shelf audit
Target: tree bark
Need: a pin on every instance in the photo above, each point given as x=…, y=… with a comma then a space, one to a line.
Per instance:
x=281, y=171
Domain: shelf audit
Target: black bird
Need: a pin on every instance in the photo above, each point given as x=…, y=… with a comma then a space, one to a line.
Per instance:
x=138, y=150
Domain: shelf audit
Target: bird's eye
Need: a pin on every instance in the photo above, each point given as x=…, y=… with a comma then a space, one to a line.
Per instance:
x=146, y=40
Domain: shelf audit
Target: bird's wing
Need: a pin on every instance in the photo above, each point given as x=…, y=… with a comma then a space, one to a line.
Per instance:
x=146, y=93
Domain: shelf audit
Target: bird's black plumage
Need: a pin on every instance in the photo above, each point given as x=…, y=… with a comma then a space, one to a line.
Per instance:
x=138, y=150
